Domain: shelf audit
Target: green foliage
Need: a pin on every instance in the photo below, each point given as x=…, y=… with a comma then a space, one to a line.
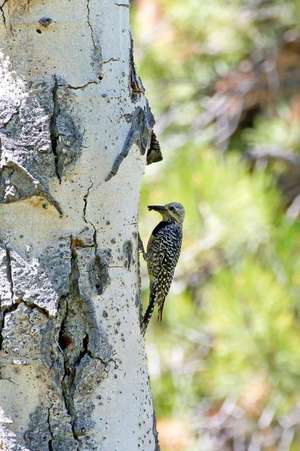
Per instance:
x=277, y=131
x=233, y=316
x=251, y=315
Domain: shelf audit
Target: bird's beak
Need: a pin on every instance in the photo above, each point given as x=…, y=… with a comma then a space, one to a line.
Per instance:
x=159, y=208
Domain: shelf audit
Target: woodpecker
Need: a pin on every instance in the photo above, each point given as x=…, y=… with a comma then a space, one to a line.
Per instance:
x=162, y=254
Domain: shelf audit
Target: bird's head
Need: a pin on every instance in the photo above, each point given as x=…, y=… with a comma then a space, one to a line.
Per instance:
x=173, y=211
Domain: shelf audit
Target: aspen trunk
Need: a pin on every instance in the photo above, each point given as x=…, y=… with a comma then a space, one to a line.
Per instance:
x=74, y=129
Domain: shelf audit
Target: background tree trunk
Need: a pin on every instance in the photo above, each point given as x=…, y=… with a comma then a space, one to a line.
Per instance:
x=73, y=370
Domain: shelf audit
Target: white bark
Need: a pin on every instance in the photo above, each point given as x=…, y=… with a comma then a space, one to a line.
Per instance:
x=74, y=129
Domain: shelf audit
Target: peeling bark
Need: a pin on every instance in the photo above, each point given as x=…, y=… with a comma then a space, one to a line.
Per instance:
x=154, y=154
x=139, y=133
x=74, y=135
x=136, y=85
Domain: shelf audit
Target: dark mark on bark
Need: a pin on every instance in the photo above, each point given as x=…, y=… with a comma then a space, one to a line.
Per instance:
x=67, y=382
x=89, y=83
x=155, y=434
x=54, y=136
x=85, y=200
x=139, y=133
x=96, y=54
x=50, y=441
x=66, y=140
x=127, y=251
x=10, y=280
x=140, y=246
x=2, y=322
x=9, y=273
x=43, y=431
x=89, y=24
x=79, y=328
x=45, y=21
x=135, y=83
x=110, y=60
x=2, y=12
x=98, y=273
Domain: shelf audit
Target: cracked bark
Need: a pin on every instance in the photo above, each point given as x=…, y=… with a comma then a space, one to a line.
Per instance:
x=2, y=12
x=36, y=187
x=70, y=342
x=89, y=24
x=9, y=274
x=50, y=441
x=139, y=134
x=85, y=85
x=65, y=339
x=136, y=85
x=85, y=201
x=53, y=128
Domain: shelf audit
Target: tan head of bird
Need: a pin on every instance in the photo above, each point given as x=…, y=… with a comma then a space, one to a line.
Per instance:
x=173, y=211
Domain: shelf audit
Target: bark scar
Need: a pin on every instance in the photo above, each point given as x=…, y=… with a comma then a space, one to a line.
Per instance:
x=2, y=12
x=136, y=85
x=86, y=220
x=76, y=342
x=109, y=60
x=66, y=140
x=139, y=133
x=39, y=189
x=67, y=381
x=13, y=308
x=9, y=273
x=85, y=85
x=54, y=136
x=128, y=254
x=50, y=442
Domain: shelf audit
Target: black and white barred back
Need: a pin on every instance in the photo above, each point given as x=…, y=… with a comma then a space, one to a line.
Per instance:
x=163, y=251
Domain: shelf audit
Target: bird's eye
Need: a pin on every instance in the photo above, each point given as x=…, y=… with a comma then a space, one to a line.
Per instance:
x=173, y=209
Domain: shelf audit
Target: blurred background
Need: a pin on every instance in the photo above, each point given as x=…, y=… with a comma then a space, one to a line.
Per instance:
x=223, y=80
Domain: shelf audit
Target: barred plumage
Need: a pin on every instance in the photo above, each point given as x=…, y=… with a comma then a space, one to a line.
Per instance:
x=163, y=251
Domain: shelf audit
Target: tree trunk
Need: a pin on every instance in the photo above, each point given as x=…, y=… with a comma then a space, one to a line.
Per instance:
x=74, y=129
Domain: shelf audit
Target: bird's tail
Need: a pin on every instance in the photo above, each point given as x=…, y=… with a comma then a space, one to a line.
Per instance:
x=150, y=308
x=160, y=309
